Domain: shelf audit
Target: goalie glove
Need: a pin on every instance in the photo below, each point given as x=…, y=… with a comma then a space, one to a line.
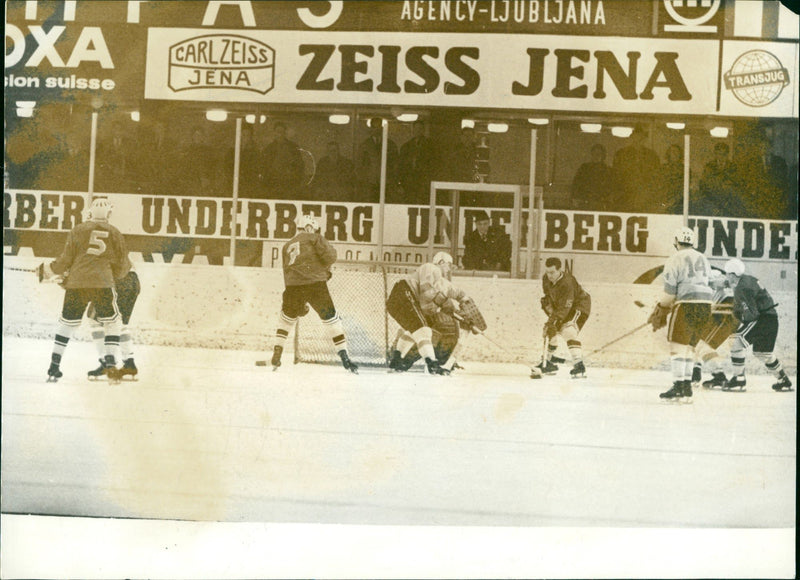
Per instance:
x=470, y=315
x=658, y=318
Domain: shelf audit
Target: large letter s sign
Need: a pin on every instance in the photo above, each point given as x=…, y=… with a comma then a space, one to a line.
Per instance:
x=327, y=19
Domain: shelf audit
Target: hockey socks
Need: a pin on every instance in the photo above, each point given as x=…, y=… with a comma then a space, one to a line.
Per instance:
x=333, y=326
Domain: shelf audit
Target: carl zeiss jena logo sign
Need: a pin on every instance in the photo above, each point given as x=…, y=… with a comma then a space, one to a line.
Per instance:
x=221, y=61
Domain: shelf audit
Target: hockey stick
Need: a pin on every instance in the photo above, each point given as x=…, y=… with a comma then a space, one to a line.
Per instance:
x=626, y=335
x=20, y=269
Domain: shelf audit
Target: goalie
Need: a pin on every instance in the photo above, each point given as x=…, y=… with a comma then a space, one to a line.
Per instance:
x=429, y=310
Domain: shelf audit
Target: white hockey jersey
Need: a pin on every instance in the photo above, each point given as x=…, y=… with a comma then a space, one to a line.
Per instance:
x=427, y=282
x=686, y=276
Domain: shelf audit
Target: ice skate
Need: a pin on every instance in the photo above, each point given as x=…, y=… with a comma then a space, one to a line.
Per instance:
x=557, y=360
x=434, y=368
x=396, y=362
x=738, y=382
x=697, y=375
x=98, y=373
x=783, y=384
x=578, y=371
x=276, y=357
x=347, y=363
x=128, y=370
x=675, y=394
x=54, y=373
x=547, y=367
x=686, y=392
x=717, y=379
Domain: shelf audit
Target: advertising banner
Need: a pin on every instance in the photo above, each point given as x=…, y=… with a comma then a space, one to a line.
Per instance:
x=407, y=228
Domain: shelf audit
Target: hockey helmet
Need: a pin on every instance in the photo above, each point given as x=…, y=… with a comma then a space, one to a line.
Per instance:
x=306, y=220
x=684, y=236
x=734, y=266
x=442, y=257
x=100, y=209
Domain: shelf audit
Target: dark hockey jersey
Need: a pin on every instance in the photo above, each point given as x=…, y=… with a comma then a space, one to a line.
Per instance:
x=751, y=300
x=307, y=258
x=94, y=256
x=564, y=295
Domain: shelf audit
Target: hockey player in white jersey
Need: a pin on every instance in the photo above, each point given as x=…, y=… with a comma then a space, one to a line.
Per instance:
x=415, y=303
x=687, y=303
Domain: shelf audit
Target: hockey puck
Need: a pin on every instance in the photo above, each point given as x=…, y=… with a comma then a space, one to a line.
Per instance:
x=638, y=303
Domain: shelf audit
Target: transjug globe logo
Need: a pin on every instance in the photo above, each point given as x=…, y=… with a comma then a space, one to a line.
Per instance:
x=221, y=61
x=756, y=78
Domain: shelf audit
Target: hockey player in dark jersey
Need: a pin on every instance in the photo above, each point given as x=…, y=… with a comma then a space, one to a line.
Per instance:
x=307, y=259
x=127, y=291
x=754, y=308
x=715, y=333
x=567, y=306
x=94, y=255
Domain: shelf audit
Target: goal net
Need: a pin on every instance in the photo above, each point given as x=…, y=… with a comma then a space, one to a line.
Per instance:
x=359, y=292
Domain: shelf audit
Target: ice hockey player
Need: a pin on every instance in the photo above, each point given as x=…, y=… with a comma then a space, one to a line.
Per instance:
x=127, y=290
x=567, y=306
x=687, y=296
x=307, y=260
x=94, y=255
x=717, y=330
x=424, y=299
x=754, y=308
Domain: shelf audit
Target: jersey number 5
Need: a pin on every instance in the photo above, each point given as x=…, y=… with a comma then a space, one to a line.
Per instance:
x=293, y=251
x=96, y=244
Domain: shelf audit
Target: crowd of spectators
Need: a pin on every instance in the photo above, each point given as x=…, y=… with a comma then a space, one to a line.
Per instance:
x=743, y=178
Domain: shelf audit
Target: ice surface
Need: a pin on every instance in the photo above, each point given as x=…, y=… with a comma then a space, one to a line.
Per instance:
x=207, y=435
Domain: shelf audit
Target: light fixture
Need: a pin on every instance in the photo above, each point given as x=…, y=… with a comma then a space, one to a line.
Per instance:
x=676, y=126
x=25, y=108
x=539, y=121
x=217, y=115
x=467, y=124
x=497, y=127
x=621, y=131
x=135, y=117
x=720, y=132
x=251, y=118
x=591, y=127
x=407, y=117
x=339, y=119
x=262, y=119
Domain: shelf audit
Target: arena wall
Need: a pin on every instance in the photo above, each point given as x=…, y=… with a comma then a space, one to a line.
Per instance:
x=237, y=308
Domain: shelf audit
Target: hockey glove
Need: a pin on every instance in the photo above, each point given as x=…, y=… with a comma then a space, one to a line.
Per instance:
x=547, y=306
x=551, y=328
x=44, y=272
x=658, y=318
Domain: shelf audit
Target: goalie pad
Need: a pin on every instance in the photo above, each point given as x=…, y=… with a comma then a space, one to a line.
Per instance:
x=658, y=318
x=471, y=315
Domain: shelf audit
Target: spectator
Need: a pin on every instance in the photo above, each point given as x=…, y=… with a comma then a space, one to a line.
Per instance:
x=335, y=176
x=717, y=195
x=283, y=165
x=764, y=177
x=199, y=166
x=670, y=199
x=112, y=162
x=250, y=162
x=636, y=168
x=416, y=167
x=368, y=164
x=592, y=185
x=464, y=158
x=486, y=247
